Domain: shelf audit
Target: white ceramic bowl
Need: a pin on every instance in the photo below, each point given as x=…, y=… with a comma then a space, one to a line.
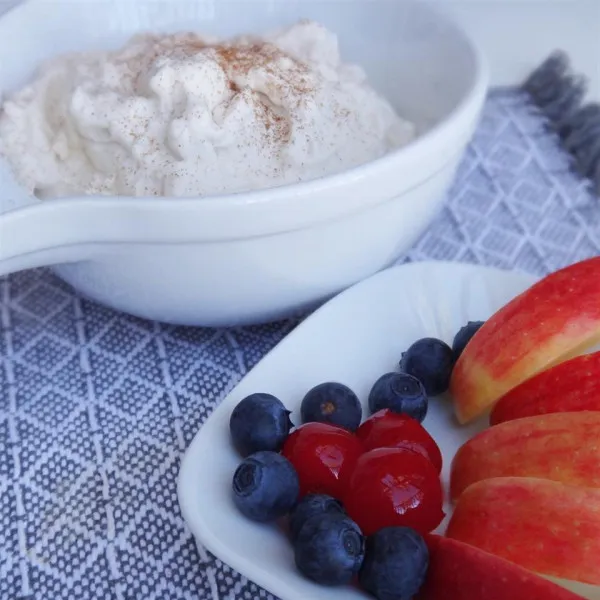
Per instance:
x=262, y=255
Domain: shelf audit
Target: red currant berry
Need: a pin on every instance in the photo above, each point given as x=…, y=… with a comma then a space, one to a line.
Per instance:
x=388, y=429
x=323, y=456
x=394, y=487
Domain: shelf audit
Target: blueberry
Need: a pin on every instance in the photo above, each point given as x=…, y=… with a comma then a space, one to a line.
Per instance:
x=329, y=549
x=312, y=505
x=265, y=486
x=401, y=393
x=431, y=361
x=463, y=337
x=395, y=565
x=332, y=403
x=259, y=422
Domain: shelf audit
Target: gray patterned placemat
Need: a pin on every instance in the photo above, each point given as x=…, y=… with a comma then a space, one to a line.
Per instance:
x=90, y=441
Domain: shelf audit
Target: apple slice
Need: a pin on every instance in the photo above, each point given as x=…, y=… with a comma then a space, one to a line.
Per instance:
x=547, y=527
x=562, y=447
x=458, y=571
x=571, y=386
x=555, y=319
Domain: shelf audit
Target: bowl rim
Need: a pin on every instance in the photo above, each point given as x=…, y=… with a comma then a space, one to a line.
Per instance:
x=424, y=145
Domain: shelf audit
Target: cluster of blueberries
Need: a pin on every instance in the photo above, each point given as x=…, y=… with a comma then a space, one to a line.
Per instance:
x=329, y=547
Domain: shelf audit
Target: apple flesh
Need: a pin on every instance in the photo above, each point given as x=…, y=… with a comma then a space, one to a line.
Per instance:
x=547, y=527
x=555, y=319
x=458, y=571
x=563, y=447
x=570, y=386
x=583, y=590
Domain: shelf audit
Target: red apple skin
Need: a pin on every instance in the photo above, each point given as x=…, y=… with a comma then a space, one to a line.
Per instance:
x=552, y=321
x=563, y=447
x=458, y=571
x=570, y=386
x=547, y=527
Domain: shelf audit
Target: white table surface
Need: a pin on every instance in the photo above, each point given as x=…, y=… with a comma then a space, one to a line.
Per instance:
x=516, y=35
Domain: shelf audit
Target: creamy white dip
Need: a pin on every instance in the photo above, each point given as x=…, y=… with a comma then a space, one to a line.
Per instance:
x=184, y=115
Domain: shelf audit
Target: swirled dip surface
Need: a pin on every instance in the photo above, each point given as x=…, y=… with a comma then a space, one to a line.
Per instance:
x=184, y=115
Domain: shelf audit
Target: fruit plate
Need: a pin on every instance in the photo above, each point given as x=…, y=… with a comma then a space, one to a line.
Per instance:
x=353, y=339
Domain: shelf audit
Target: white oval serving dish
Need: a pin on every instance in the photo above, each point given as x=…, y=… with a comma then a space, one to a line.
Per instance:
x=355, y=338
